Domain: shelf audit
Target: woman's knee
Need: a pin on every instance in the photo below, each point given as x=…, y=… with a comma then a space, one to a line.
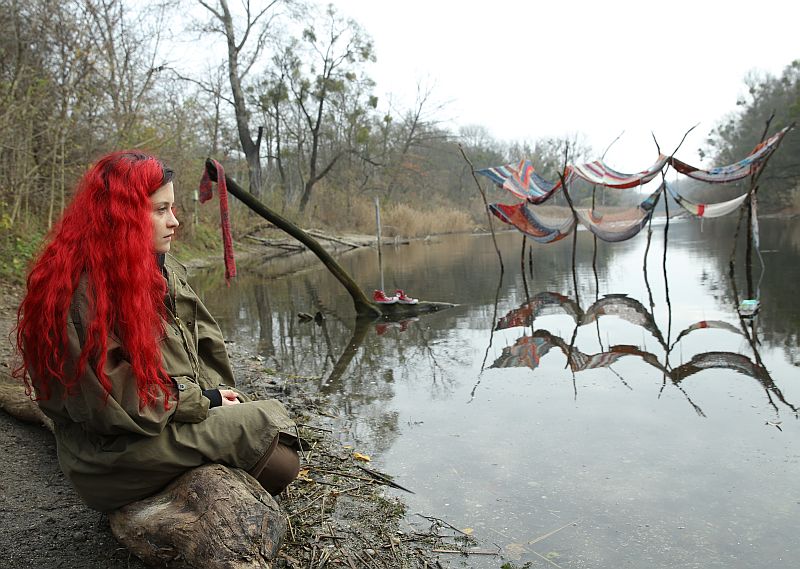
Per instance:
x=281, y=469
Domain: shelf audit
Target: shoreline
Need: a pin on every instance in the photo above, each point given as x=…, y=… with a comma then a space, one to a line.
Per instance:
x=337, y=509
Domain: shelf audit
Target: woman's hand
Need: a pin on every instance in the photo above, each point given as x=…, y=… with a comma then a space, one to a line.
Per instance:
x=228, y=397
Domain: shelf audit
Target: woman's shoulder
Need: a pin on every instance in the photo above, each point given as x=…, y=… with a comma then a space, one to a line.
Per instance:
x=175, y=266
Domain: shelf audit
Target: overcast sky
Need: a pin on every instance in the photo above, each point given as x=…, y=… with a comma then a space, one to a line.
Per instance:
x=526, y=70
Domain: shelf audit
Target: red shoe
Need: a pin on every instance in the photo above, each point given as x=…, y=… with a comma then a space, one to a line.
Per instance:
x=380, y=297
x=403, y=298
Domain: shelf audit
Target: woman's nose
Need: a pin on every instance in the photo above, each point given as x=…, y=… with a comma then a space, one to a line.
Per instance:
x=173, y=220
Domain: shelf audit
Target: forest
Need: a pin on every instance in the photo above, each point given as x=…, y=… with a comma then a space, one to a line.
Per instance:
x=279, y=92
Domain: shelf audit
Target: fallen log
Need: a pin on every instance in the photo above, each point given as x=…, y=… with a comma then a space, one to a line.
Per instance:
x=362, y=304
x=212, y=517
x=16, y=403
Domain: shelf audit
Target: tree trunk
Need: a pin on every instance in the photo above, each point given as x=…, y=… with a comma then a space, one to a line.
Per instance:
x=212, y=517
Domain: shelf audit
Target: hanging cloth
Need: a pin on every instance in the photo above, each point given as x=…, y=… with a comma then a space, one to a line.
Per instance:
x=206, y=194
x=707, y=210
x=620, y=226
x=534, y=226
x=599, y=173
x=522, y=181
x=737, y=171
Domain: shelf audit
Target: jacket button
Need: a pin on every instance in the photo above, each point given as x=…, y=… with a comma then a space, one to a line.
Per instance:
x=181, y=387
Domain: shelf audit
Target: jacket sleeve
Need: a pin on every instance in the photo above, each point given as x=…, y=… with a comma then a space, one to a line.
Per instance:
x=120, y=411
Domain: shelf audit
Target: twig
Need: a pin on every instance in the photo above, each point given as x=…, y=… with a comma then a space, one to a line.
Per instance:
x=383, y=478
x=441, y=521
x=486, y=204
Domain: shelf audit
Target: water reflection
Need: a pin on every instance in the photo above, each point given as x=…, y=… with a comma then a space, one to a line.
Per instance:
x=529, y=349
x=591, y=420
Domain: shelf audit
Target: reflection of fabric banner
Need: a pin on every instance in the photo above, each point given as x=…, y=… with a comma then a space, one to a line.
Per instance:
x=522, y=181
x=754, y=218
x=708, y=324
x=721, y=360
x=533, y=225
x=619, y=226
x=707, y=210
x=741, y=169
x=581, y=362
x=629, y=309
x=598, y=172
x=527, y=351
x=541, y=304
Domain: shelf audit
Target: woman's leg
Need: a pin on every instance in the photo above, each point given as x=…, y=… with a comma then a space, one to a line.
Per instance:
x=280, y=470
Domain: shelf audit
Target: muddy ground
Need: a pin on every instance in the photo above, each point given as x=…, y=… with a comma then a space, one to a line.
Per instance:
x=339, y=515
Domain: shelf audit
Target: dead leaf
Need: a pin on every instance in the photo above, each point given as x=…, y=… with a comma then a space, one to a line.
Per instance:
x=361, y=457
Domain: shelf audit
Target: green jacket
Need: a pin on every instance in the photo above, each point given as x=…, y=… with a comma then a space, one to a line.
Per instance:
x=114, y=452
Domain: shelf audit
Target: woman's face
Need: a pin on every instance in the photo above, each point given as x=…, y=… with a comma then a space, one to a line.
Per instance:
x=163, y=216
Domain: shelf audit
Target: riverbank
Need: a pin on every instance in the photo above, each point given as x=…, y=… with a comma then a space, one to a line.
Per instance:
x=338, y=510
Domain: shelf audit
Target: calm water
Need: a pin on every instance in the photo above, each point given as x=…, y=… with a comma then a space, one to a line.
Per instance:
x=588, y=432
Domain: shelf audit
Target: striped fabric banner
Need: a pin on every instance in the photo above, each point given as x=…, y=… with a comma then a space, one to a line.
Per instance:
x=532, y=225
x=599, y=173
x=522, y=181
x=709, y=210
x=621, y=226
x=737, y=171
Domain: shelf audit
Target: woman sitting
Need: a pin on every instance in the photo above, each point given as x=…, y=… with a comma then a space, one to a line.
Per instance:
x=125, y=359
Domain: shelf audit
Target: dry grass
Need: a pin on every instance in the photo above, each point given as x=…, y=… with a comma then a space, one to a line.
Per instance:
x=398, y=219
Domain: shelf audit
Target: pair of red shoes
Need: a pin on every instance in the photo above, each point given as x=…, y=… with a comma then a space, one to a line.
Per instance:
x=399, y=297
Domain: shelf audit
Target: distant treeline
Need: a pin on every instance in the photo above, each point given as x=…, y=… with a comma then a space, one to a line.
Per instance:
x=288, y=107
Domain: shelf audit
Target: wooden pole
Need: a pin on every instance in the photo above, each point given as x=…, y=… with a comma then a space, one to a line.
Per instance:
x=486, y=204
x=378, y=229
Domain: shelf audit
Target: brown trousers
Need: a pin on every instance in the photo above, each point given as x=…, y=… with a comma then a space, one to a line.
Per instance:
x=279, y=466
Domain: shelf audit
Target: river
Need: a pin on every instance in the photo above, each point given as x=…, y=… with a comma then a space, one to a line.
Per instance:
x=587, y=430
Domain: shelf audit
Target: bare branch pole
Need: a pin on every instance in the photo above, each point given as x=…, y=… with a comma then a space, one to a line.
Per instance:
x=486, y=204
x=666, y=230
x=362, y=304
x=563, y=180
x=594, y=240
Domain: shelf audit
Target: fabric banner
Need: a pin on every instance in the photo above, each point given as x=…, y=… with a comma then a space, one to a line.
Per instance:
x=620, y=226
x=707, y=210
x=531, y=224
x=522, y=181
x=737, y=171
x=599, y=173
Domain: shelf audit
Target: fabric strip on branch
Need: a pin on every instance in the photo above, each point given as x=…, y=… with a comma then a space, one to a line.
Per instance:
x=531, y=224
x=522, y=181
x=620, y=226
x=737, y=171
x=707, y=210
x=206, y=194
x=599, y=173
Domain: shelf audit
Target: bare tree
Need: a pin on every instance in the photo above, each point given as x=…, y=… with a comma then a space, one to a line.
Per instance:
x=317, y=69
x=244, y=47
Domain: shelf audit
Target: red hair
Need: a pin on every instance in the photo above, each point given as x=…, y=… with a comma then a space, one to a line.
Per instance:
x=105, y=237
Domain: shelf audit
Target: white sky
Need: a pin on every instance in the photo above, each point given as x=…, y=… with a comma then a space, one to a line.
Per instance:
x=526, y=70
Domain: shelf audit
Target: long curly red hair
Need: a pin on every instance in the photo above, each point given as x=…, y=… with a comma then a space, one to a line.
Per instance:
x=104, y=236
